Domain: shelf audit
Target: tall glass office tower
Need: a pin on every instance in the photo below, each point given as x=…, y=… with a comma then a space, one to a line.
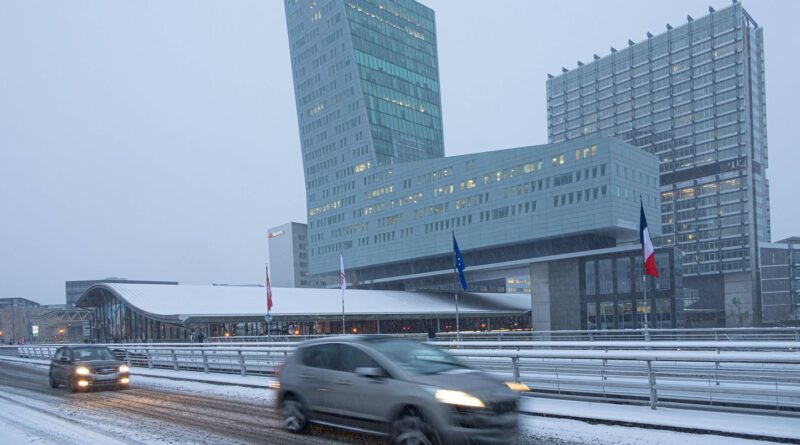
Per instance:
x=694, y=96
x=366, y=79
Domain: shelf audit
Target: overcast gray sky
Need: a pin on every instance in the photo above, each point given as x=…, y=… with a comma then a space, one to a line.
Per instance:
x=158, y=139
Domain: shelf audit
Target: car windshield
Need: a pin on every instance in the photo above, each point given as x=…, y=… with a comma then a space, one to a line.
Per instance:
x=81, y=354
x=416, y=357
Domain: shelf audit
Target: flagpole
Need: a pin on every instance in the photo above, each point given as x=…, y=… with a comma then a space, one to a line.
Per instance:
x=269, y=316
x=456, y=284
x=342, y=284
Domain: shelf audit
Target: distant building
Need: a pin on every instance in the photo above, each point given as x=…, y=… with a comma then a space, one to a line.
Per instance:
x=288, y=257
x=76, y=288
x=780, y=282
x=15, y=319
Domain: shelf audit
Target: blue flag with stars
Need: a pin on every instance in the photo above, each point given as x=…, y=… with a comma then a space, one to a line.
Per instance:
x=459, y=263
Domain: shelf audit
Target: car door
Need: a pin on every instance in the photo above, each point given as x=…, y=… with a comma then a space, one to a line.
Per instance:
x=365, y=401
x=317, y=375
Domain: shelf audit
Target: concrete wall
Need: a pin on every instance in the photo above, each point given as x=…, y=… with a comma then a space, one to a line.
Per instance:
x=555, y=295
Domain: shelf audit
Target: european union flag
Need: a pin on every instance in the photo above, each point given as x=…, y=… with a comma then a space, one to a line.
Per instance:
x=459, y=263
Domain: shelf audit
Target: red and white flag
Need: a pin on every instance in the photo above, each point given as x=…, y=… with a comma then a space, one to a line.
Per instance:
x=269, y=292
x=650, y=267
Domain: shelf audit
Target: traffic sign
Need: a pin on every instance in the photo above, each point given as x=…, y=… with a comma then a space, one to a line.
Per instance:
x=268, y=318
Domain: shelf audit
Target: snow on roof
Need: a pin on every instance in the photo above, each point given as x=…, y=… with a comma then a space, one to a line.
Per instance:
x=185, y=301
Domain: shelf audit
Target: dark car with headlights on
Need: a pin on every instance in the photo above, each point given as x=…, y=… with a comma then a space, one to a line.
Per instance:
x=82, y=367
x=413, y=392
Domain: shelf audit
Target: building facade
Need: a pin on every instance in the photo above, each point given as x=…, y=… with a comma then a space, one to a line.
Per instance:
x=694, y=96
x=381, y=193
x=780, y=282
x=15, y=320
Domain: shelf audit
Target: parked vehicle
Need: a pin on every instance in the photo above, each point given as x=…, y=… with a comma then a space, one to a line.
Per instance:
x=82, y=367
x=413, y=392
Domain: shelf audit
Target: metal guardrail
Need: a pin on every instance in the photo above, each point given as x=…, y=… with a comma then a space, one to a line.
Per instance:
x=747, y=376
x=710, y=334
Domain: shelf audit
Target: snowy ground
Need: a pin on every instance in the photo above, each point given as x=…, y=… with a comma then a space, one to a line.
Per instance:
x=189, y=412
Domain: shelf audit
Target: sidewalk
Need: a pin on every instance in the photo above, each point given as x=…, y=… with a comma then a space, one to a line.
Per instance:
x=748, y=426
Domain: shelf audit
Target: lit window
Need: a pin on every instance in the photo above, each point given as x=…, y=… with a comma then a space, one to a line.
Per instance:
x=577, y=155
x=555, y=161
x=585, y=152
x=594, y=150
x=561, y=160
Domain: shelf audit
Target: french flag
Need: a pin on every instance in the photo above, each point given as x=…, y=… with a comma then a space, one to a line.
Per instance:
x=650, y=267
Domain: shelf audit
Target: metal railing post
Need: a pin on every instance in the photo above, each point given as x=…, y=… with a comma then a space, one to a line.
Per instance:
x=652, y=383
x=205, y=360
x=127, y=358
x=149, y=358
x=174, y=359
x=241, y=364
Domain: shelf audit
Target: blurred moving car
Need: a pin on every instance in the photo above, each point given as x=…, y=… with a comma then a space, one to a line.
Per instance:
x=81, y=367
x=412, y=392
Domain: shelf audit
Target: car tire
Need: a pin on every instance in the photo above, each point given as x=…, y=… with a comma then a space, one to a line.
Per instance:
x=53, y=382
x=411, y=429
x=294, y=415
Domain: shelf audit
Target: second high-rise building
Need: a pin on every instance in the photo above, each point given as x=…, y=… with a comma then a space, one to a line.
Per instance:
x=694, y=96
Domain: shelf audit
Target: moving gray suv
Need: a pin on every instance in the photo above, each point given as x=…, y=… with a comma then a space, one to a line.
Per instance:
x=413, y=392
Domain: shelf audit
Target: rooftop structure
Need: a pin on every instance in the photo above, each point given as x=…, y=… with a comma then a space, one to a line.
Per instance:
x=134, y=311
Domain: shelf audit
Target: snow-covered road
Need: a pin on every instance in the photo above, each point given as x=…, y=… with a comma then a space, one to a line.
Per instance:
x=163, y=411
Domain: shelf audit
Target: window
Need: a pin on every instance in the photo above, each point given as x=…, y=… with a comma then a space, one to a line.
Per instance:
x=591, y=316
x=352, y=358
x=625, y=312
x=590, y=287
x=607, y=315
x=606, y=277
x=623, y=275
x=322, y=356
x=594, y=150
x=662, y=260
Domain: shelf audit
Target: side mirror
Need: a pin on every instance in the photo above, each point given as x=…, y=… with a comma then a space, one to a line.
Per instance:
x=372, y=373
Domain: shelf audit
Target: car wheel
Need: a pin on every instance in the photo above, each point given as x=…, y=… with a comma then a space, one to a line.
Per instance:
x=294, y=416
x=411, y=429
x=53, y=382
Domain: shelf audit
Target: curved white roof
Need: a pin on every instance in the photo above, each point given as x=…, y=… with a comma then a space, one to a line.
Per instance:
x=185, y=301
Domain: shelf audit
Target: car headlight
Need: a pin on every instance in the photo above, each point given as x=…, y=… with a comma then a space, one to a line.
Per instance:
x=124, y=368
x=459, y=398
x=82, y=370
x=516, y=386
